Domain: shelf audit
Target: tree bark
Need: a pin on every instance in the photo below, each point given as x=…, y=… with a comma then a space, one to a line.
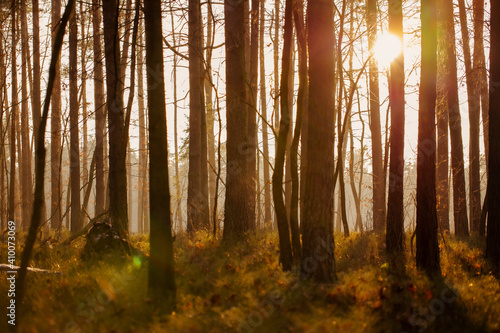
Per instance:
x=395, y=201
x=237, y=209
x=493, y=232
x=427, y=243
x=474, y=100
x=378, y=178
x=117, y=136
x=55, y=129
x=76, y=218
x=13, y=116
x=161, y=264
x=318, y=242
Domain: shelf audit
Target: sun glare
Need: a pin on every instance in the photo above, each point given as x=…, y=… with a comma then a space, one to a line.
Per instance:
x=387, y=48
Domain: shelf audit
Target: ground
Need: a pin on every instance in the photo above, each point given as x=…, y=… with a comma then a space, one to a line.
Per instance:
x=241, y=288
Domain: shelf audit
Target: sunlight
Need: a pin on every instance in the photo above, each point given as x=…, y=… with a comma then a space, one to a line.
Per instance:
x=387, y=48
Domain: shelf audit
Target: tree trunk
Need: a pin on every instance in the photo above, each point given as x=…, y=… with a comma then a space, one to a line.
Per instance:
x=395, y=201
x=453, y=107
x=427, y=242
x=279, y=203
x=99, y=107
x=76, y=220
x=212, y=173
x=474, y=99
x=26, y=173
x=197, y=199
x=442, y=117
x=237, y=209
x=143, y=164
x=493, y=232
x=161, y=264
x=378, y=178
x=318, y=241
x=13, y=117
x=117, y=150
x=55, y=129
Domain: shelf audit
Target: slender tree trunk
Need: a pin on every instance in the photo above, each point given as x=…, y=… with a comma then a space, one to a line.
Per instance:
x=265, y=130
x=427, y=241
x=493, y=232
x=452, y=105
x=26, y=173
x=294, y=148
x=161, y=266
x=143, y=167
x=377, y=165
x=395, y=201
x=197, y=200
x=318, y=241
x=13, y=117
x=55, y=129
x=85, y=149
x=279, y=203
x=76, y=219
x=237, y=209
x=442, y=117
x=252, y=109
x=117, y=136
x=212, y=173
x=99, y=107
x=474, y=99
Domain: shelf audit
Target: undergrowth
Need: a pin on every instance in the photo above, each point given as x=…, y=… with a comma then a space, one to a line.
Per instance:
x=241, y=288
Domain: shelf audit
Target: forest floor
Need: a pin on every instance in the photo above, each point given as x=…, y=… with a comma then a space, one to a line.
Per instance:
x=241, y=288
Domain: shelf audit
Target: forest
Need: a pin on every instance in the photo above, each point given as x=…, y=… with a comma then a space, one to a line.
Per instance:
x=249, y=166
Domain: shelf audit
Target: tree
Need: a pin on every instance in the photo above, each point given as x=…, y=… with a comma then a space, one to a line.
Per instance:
x=26, y=182
x=161, y=263
x=493, y=232
x=451, y=101
x=99, y=106
x=395, y=201
x=55, y=129
x=143, y=164
x=318, y=243
x=237, y=209
x=474, y=99
x=279, y=203
x=197, y=197
x=76, y=220
x=265, y=124
x=117, y=135
x=378, y=173
x=427, y=242
x=13, y=117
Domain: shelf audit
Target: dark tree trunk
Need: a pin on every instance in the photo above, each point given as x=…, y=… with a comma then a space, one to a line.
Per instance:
x=378, y=173
x=161, y=263
x=279, y=203
x=318, y=242
x=395, y=201
x=143, y=164
x=265, y=129
x=474, y=99
x=76, y=220
x=452, y=105
x=26, y=172
x=427, y=241
x=493, y=232
x=13, y=117
x=99, y=107
x=197, y=199
x=117, y=136
x=55, y=129
x=237, y=209
x=442, y=119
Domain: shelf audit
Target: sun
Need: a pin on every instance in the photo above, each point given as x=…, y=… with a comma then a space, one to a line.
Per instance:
x=387, y=48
